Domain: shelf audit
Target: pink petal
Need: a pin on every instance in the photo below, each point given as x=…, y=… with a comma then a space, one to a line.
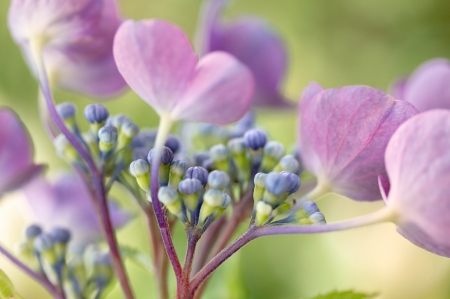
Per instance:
x=397, y=89
x=16, y=153
x=309, y=93
x=156, y=60
x=418, y=165
x=220, y=93
x=428, y=87
x=344, y=133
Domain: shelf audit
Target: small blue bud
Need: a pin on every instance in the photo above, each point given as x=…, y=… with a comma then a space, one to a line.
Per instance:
x=166, y=156
x=173, y=143
x=197, y=172
x=66, y=110
x=129, y=129
x=277, y=184
x=96, y=113
x=140, y=153
x=260, y=180
x=200, y=157
x=293, y=180
x=108, y=134
x=190, y=186
x=139, y=167
x=255, y=139
x=33, y=231
x=219, y=152
x=208, y=165
x=167, y=195
x=237, y=145
x=310, y=207
x=145, y=138
x=43, y=242
x=289, y=163
x=218, y=180
x=214, y=198
x=274, y=149
x=118, y=120
x=60, y=235
x=178, y=167
x=226, y=200
x=317, y=218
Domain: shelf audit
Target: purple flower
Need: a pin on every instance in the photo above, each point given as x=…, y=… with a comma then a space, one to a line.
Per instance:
x=418, y=166
x=76, y=36
x=67, y=203
x=253, y=42
x=428, y=87
x=343, y=136
x=158, y=62
x=16, y=153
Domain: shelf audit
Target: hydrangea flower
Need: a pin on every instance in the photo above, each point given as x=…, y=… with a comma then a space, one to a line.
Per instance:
x=159, y=64
x=343, y=136
x=418, y=167
x=16, y=153
x=427, y=88
x=76, y=37
x=67, y=203
x=251, y=40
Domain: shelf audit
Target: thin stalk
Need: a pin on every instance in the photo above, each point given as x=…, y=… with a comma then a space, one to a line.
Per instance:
x=163, y=130
x=39, y=278
x=97, y=177
x=185, y=291
x=253, y=232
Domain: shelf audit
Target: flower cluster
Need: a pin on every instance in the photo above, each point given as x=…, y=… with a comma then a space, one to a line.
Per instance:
x=221, y=169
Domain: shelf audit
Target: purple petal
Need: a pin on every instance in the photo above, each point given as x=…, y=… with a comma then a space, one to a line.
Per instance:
x=220, y=93
x=254, y=43
x=418, y=165
x=428, y=87
x=16, y=153
x=68, y=203
x=385, y=186
x=156, y=60
x=344, y=133
x=309, y=93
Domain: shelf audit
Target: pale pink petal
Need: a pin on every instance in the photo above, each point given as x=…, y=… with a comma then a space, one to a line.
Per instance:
x=344, y=133
x=418, y=165
x=220, y=93
x=156, y=60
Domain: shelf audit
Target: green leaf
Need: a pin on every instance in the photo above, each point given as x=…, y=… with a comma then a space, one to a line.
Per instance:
x=345, y=295
x=7, y=288
x=139, y=258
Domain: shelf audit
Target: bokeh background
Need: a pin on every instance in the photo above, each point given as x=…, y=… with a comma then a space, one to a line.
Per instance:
x=333, y=42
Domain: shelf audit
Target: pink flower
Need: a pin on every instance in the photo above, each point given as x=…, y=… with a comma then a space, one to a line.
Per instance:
x=418, y=167
x=343, y=136
x=16, y=153
x=251, y=40
x=428, y=87
x=77, y=37
x=159, y=64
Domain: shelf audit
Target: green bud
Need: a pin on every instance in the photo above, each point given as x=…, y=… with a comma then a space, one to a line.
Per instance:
x=263, y=212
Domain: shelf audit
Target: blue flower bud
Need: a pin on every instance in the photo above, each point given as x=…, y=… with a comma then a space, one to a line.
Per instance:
x=167, y=195
x=293, y=180
x=190, y=186
x=178, y=167
x=317, y=218
x=140, y=153
x=33, y=231
x=208, y=165
x=218, y=180
x=145, y=138
x=108, y=134
x=173, y=143
x=96, y=113
x=219, y=152
x=226, y=200
x=260, y=180
x=214, y=198
x=139, y=167
x=66, y=110
x=43, y=242
x=289, y=163
x=129, y=129
x=274, y=149
x=310, y=207
x=197, y=172
x=118, y=120
x=277, y=184
x=60, y=235
x=255, y=139
x=166, y=156
x=237, y=145
x=200, y=157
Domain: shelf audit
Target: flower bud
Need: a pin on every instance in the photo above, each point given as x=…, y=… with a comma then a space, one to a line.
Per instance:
x=200, y=157
x=197, y=172
x=117, y=121
x=190, y=188
x=260, y=186
x=317, y=218
x=44, y=245
x=273, y=152
x=66, y=110
x=173, y=143
x=293, y=181
x=96, y=114
x=164, y=167
x=220, y=155
x=255, y=140
x=168, y=196
x=128, y=131
x=263, y=212
x=108, y=138
x=32, y=232
x=140, y=169
x=218, y=180
x=310, y=207
x=288, y=163
x=61, y=238
x=177, y=171
x=277, y=188
x=65, y=149
x=241, y=158
x=214, y=203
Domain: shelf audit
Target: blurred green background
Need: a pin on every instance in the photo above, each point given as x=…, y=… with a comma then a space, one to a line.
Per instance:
x=333, y=42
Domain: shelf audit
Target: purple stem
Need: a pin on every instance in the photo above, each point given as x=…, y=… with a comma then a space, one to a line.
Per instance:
x=97, y=177
x=41, y=279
